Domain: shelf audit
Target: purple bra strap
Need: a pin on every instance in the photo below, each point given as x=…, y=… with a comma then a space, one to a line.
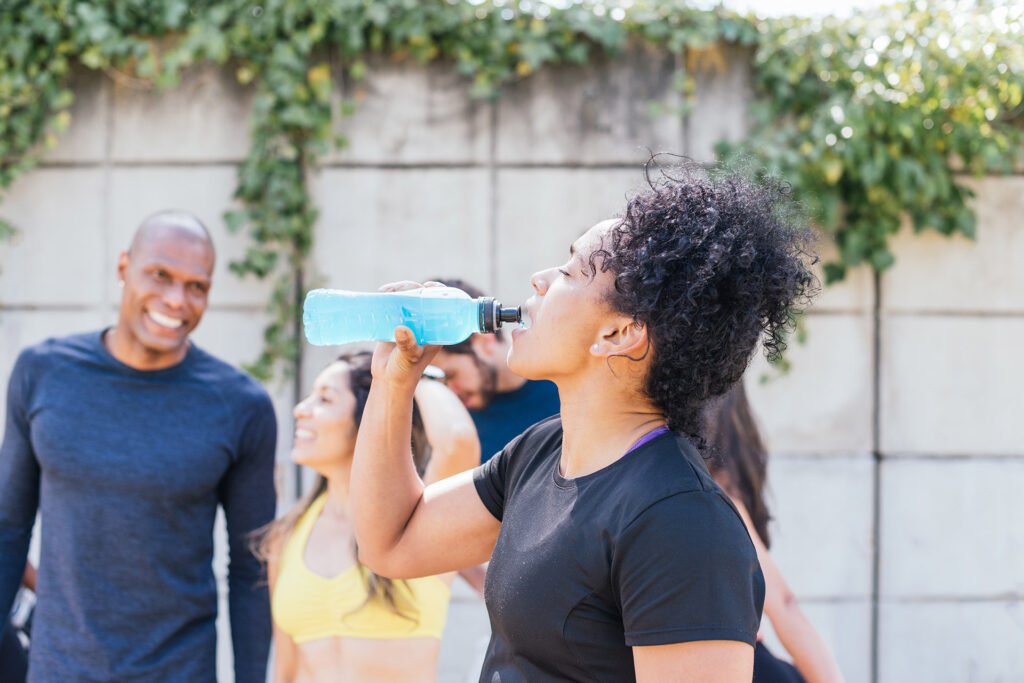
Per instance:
x=649, y=436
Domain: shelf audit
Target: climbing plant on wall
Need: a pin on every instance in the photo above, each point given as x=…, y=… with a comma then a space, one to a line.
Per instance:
x=869, y=116
x=875, y=118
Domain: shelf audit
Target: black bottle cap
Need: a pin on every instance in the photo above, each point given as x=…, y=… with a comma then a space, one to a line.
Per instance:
x=511, y=315
x=492, y=315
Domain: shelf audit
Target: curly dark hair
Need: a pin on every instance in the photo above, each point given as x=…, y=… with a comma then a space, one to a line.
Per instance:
x=709, y=261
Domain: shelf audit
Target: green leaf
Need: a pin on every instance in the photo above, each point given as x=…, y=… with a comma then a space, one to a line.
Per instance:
x=834, y=272
x=234, y=220
x=882, y=259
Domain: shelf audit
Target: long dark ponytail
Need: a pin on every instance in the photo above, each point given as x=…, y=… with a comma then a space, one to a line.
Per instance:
x=738, y=453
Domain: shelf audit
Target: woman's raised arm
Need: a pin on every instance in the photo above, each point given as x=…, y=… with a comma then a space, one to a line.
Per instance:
x=402, y=529
x=454, y=444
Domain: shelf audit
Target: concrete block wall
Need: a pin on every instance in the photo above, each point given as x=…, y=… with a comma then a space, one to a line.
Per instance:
x=895, y=438
x=950, y=538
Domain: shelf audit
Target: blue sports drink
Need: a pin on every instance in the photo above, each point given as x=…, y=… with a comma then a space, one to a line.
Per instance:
x=436, y=315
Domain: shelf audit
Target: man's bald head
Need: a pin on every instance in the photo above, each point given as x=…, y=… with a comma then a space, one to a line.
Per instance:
x=171, y=224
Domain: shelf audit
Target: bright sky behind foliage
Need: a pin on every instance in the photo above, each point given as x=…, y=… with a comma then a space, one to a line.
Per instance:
x=776, y=8
x=764, y=8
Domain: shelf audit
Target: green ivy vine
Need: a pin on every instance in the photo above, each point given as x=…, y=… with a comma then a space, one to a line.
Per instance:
x=875, y=118
x=871, y=117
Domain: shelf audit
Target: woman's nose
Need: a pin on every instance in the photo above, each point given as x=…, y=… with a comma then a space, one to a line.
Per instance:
x=301, y=409
x=539, y=281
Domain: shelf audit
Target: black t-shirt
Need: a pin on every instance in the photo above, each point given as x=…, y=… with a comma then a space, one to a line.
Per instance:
x=646, y=551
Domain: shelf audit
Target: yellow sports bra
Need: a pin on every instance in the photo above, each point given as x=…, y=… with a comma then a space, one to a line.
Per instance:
x=308, y=606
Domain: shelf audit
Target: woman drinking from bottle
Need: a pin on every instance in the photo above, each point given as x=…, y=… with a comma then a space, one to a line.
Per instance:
x=335, y=620
x=613, y=554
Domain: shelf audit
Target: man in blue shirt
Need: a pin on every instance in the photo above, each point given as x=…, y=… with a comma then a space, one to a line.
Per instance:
x=501, y=403
x=126, y=441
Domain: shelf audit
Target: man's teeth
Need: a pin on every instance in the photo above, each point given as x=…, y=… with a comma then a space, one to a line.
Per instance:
x=304, y=434
x=166, y=321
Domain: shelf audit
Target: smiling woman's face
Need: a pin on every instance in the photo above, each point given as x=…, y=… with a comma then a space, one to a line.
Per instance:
x=567, y=313
x=325, y=428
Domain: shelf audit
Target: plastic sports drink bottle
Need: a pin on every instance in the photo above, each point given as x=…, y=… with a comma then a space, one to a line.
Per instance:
x=436, y=315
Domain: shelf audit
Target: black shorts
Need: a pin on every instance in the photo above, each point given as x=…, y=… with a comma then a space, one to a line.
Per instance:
x=770, y=669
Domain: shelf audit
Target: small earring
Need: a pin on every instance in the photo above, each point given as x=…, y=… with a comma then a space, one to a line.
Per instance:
x=120, y=283
x=594, y=348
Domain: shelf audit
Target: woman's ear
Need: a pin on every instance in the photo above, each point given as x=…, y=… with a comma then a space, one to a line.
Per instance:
x=623, y=337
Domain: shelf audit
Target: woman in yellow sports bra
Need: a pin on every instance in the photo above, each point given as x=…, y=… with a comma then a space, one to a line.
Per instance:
x=334, y=620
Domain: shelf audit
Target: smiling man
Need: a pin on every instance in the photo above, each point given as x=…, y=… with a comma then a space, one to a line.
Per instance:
x=126, y=441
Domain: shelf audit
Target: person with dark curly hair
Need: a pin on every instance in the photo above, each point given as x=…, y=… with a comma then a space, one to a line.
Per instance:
x=613, y=554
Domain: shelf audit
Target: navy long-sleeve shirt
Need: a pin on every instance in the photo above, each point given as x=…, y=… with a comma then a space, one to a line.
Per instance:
x=126, y=469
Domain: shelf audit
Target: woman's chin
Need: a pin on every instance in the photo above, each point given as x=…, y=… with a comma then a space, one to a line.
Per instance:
x=306, y=459
x=520, y=365
x=318, y=463
x=513, y=360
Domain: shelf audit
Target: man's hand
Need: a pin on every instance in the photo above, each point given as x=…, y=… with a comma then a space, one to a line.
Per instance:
x=28, y=580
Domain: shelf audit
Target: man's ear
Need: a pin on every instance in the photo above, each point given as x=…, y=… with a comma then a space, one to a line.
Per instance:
x=622, y=337
x=122, y=266
x=484, y=346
